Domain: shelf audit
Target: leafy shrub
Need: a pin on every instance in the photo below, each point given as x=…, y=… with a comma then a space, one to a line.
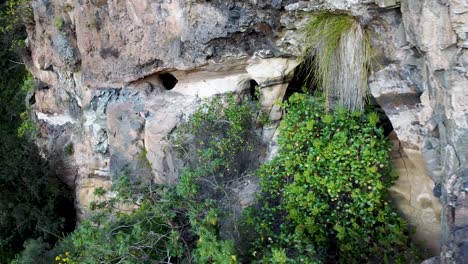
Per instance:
x=217, y=145
x=69, y=149
x=42, y=209
x=142, y=236
x=34, y=205
x=170, y=224
x=58, y=22
x=323, y=195
x=34, y=252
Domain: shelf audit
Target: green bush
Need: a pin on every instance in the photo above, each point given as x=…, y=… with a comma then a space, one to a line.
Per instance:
x=33, y=202
x=142, y=236
x=35, y=207
x=217, y=145
x=170, y=224
x=58, y=22
x=69, y=149
x=324, y=194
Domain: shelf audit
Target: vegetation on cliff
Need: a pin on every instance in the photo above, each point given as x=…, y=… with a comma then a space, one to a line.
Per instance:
x=323, y=197
x=35, y=207
x=170, y=224
x=337, y=58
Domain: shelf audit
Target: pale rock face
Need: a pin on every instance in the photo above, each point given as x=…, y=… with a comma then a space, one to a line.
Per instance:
x=413, y=194
x=102, y=64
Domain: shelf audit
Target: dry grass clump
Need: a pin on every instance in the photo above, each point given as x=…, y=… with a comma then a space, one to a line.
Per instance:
x=337, y=58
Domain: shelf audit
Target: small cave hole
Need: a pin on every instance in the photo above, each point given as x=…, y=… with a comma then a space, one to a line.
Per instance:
x=385, y=122
x=301, y=82
x=253, y=90
x=32, y=98
x=168, y=80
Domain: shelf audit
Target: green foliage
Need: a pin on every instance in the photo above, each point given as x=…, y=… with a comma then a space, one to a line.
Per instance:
x=323, y=195
x=217, y=144
x=169, y=224
x=27, y=128
x=11, y=94
x=142, y=236
x=35, y=207
x=143, y=158
x=279, y=256
x=58, y=22
x=33, y=253
x=28, y=83
x=69, y=149
x=337, y=58
x=209, y=248
x=14, y=14
x=43, y=207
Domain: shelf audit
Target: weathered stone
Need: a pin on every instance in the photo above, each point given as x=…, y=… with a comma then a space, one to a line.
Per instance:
x=434, y=260
x=425, y=19
x=401, y=101
x=102, y=71
x=125, y=124
x=413, y=194
x=387, y=3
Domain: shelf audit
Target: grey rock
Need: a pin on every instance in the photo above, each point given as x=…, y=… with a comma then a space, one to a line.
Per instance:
x=104, y=91
x=434, y=260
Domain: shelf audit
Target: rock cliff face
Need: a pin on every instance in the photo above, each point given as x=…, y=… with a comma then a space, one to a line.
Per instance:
x=117, y=76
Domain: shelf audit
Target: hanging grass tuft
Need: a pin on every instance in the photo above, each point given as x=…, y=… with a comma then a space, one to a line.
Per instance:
x=337, y=58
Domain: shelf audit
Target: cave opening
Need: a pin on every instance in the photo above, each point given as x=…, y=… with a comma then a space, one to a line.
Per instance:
x=301, y=82
x=384, y=122
x=253, y=86
x=168, y=80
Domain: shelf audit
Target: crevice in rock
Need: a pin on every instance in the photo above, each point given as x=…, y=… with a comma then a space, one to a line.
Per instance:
x=252, y=89
x=300, y=82
x=384, y=122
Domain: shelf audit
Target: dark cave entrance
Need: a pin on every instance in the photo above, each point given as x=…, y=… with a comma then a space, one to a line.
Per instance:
x=384, y=122
x=253, y=86
x=168, y=80
x=301, y=81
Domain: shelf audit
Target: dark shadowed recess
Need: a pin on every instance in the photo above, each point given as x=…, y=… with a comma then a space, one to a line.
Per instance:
x=385, y=122
x=301, y=82
x=253, y=86
x=168, y=80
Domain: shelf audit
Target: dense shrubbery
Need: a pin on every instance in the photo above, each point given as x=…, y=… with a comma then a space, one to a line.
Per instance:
x=324, y=195
x=217, y=144
x=35, y=207
x=169, y=224
x=34, y=204
x=322, y=200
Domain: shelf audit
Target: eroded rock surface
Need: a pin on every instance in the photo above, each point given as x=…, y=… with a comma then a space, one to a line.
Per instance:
x=105, y=89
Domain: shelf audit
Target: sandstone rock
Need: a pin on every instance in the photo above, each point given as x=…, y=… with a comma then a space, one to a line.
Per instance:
x=425, y=19
x=413, y=195
x=108, y=58
x=400, y=99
